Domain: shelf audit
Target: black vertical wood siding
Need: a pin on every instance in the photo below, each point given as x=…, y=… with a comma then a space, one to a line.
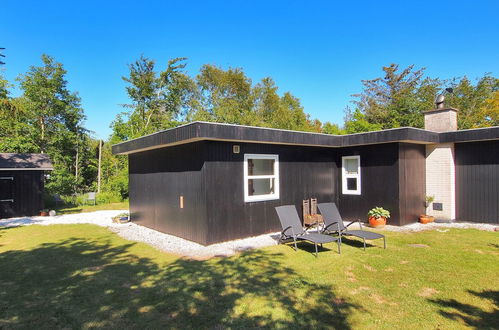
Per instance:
x=392, y=176
x=477, y=181
x=379, y=182
x=210, y=177
x=304, y=172
x=157, y=180
x=27, y=191
x=412, y=182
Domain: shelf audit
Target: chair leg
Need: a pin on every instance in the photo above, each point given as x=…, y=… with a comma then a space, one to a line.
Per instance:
x=296, y=248
x=339, y=245
x=384, y=242
x=316, y=252
x=364, y=243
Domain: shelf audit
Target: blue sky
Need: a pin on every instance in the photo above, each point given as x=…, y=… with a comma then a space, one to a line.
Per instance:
x=319, y=51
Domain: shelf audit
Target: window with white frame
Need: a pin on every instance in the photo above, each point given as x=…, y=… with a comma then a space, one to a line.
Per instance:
x=261, y=177
x=350, y=170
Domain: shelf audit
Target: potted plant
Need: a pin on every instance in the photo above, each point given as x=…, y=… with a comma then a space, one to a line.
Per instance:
x=378, y=216
x=122, y=218
x=425, y=218
x=44, y=213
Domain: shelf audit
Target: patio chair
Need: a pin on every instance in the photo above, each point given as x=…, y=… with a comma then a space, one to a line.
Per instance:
x=333, y=223
x=91, y=197
x=292, y=228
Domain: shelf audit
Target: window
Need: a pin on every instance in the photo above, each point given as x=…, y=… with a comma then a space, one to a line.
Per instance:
x=350, y=170
x=261, y=177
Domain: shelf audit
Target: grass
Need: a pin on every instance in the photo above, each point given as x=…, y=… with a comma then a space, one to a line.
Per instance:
x=91, y=208
x=83, y=276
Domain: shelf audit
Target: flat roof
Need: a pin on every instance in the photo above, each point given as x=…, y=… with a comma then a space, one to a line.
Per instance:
x=25, y=161
x=199, y=131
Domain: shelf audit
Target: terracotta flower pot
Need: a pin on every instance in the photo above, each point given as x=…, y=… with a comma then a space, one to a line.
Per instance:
x=424, y=219
x=44, y=214
x=377, y=222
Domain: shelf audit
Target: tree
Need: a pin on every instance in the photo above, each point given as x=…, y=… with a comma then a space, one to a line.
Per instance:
x=357, y=122
x=474, y=102
x=54, y=122
x=333, y=129
x=225, y=96
x=159, y=100
x=398, y=98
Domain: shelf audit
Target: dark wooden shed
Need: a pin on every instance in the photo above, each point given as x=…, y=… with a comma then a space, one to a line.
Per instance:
x=21, y=183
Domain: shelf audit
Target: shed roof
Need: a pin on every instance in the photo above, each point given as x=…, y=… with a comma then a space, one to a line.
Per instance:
x=197, y=131
x=25, y=161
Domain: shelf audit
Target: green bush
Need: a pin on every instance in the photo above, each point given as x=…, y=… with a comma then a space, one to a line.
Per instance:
x=108, y=197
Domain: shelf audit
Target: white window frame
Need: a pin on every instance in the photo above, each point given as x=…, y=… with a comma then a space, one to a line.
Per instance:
x=345, y=176
x=275, y=176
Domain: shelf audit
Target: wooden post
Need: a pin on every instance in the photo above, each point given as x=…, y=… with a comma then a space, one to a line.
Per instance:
x=99, y=169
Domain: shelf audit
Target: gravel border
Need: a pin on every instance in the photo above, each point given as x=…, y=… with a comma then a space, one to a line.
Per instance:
x=183, y=247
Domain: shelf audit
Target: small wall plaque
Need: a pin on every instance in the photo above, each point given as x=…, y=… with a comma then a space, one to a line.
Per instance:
x=236, y=149
x=438, y=206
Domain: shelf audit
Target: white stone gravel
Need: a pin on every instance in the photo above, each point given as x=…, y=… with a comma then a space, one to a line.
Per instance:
x=182, y=247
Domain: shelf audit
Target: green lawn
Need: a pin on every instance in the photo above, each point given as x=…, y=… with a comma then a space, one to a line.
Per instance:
x=91, y=208
x=83, y=276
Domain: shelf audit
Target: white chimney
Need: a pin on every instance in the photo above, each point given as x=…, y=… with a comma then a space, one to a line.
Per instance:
x=440, y=163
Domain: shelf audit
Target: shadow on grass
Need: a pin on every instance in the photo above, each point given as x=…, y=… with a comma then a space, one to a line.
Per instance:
x=89, y=284
x=355, y=242
x=471, y=315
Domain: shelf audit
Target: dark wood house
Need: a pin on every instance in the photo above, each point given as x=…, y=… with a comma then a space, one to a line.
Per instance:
x=210, y=182
x=21, y=183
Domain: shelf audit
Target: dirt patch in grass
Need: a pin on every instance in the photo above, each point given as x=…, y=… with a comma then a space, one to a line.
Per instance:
x=419, y=245
x=350, y=275
x=369, y=268
x=427, y=292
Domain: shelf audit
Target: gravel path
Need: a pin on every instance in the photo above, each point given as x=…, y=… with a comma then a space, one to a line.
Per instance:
x=179, y=246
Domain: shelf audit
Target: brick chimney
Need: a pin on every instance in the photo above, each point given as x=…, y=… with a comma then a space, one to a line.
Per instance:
x=440, y=163
x=441, y=120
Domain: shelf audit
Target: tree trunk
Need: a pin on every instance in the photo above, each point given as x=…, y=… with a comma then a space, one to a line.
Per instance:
x=42, y=127
x=99, y=168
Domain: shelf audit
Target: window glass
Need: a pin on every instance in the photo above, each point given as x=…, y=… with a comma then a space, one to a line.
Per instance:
x=351, y=166
x=260, y=187
x=261, y=166
x=351, y=173
x=352, y=183
x=261, y=177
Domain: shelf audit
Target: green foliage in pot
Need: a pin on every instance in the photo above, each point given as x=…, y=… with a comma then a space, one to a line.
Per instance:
x=379, y=212
x=428, y=200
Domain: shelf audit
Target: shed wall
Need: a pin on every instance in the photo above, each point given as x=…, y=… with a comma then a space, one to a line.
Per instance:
x=26, y=190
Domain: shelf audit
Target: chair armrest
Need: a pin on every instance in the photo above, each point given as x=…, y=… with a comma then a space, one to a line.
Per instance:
x=333, y=223
x=350, y=224
x=284, y=231
x=358, y=220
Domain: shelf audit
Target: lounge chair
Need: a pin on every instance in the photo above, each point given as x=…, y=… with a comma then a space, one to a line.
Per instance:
x=292, y=228
x=333, y=223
